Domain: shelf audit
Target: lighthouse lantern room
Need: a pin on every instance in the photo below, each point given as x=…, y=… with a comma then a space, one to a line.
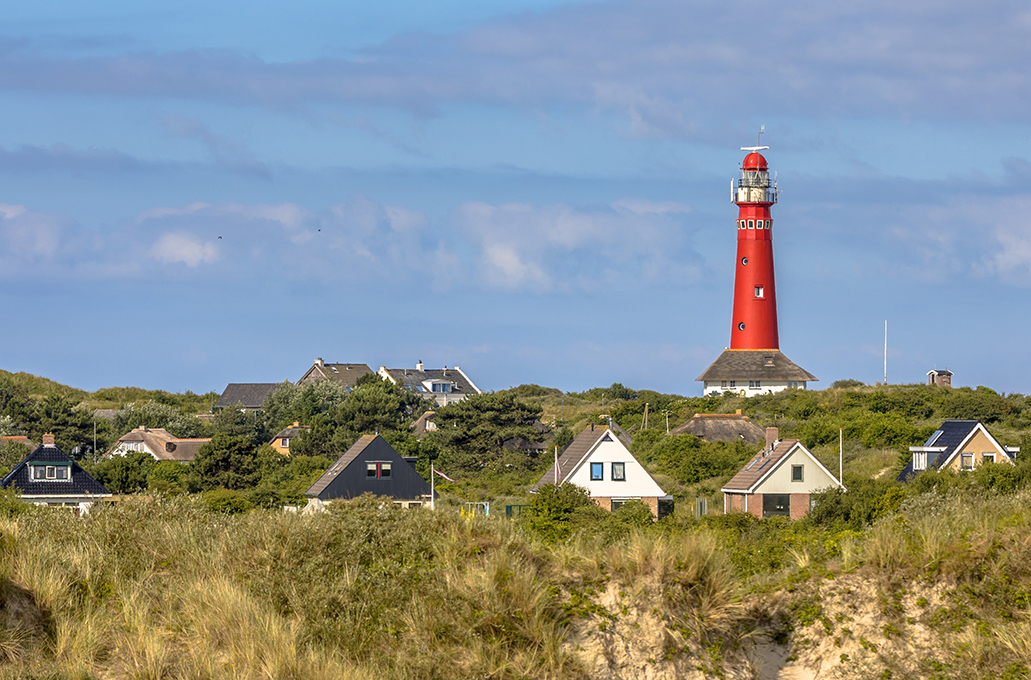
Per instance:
x=754, y=363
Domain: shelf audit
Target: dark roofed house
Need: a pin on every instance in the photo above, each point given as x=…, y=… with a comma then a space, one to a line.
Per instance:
x=779, y=480
x=722, y=427
x=959, y=445
x=246, y=396
x=372, y=466
x=444, y=385
x=48, y=476
x=753, y=371
x=345, y=374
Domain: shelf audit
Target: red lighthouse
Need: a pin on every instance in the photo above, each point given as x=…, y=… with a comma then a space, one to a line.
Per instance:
x=755, y=298
x=754, y=363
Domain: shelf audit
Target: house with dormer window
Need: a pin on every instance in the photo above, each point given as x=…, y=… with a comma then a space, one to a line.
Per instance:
x=958, y=445
x=443, y=385
x=48, y=476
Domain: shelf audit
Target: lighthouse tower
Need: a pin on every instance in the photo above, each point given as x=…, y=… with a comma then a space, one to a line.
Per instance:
x=754, y=363
x=755, y=298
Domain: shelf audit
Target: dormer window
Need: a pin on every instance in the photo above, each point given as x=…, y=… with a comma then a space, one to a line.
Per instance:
x=920, y=460
x=51, y=473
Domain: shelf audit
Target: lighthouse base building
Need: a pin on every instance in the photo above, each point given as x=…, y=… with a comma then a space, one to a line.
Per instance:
x=753, y=371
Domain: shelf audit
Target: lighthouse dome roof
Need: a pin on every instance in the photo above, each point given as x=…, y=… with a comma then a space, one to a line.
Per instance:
x=754, y=161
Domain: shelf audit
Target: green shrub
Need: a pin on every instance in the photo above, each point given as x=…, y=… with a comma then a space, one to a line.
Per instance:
x=226, y=501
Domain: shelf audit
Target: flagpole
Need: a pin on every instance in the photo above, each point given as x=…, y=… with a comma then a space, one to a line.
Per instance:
x=556, y=466
x=433, y=496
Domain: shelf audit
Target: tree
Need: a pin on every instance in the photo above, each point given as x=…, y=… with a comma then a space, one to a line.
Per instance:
x=156, y=415
x=234, y=421
x=472, y=432
x=552, y=509
x=288, y=402
x=70, y=425
x=125, y=474
x=227, y=461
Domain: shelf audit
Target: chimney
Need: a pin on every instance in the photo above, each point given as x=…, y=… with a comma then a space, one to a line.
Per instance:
x=445, y=371
x=319, y=362
x=772, y=435
x=297, y=423
x=737, y=412
x=48, y=439
x=419, y=366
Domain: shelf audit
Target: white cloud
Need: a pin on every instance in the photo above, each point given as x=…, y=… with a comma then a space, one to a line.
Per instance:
x=29, y=235
x=562, y=247
x=179, y=247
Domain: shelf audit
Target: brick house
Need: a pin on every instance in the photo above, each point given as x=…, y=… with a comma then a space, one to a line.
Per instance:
x=778, y=481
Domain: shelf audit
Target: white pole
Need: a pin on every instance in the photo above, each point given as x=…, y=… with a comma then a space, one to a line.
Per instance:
x=556, y=465
x=433, y=496
x=885, y=351
x=841, y=455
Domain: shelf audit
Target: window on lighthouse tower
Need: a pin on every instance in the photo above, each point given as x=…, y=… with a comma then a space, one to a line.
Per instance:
x=758, y=291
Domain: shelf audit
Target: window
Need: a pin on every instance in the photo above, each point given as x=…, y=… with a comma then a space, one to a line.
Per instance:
x=52, y=473
x=967, y=461
x=767, y=361
x=723, y=384
x=751, y=224
x=285, y=443
x=616, y=505
x=741, y=326
x=920, y=460
x=755, y=384
x=797, y=473
x=597, y=471
x=776, y=504
x=743, y=224
x=744, y=261
x=987, y=458
x=441, y=387
x=768, y=223
x=758, y=291
x=733, y=384
x=377, y=470
x=619, y=472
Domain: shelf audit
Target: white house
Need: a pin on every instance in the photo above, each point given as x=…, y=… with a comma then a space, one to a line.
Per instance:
x=598, y=460
x=749, y=372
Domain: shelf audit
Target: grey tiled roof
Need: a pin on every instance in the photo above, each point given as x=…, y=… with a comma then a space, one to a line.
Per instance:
x=345, y=374
x=413, y=379
x=754, y=364
x=248, y=395
x=342, y=462
x=571, y=456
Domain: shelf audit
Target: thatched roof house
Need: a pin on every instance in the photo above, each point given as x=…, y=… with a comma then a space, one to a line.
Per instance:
x=722, y=427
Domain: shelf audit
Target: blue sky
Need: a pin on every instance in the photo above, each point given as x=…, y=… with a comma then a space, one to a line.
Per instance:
x=196, y=193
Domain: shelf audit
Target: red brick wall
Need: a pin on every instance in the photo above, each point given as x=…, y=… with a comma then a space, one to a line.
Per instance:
x=799, y=505
x=755, y=505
